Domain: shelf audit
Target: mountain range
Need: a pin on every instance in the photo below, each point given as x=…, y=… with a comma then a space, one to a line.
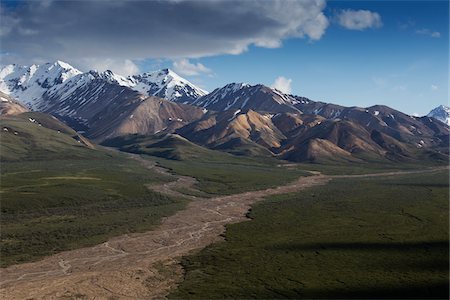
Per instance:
x=238, y=118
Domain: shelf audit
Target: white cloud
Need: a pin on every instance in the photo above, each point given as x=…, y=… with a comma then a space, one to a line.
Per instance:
x=137, y=30
x=185, y=67
x=283, y=84
x=359, y=19
x=434, y=87
x=428, y=32
x=123, y=67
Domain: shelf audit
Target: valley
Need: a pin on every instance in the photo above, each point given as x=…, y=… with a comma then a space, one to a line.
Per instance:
x=377, y=237
x=138, y=187
x=148, y=262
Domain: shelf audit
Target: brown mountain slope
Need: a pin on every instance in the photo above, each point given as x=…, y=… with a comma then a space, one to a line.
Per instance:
x=293, y=123
x=216, y=130
x=317, y=150
x=146, y=116
x=9, y=106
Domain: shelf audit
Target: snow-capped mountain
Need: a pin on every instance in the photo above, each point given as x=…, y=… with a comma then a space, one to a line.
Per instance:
x=441, y=113
x=104, y=104
x=166, y=84
x=29, y=84
x=36, y=84
x=235, y=96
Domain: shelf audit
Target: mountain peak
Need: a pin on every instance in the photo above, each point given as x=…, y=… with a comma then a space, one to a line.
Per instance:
x=29, y=83
x=258, y=97
x=441, y=113
x=63, y=64
x=166, y=84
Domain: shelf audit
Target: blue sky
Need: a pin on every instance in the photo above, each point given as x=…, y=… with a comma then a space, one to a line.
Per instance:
x=395, y=54
x=398, y=64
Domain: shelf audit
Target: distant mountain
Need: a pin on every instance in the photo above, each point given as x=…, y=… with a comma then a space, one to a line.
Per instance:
x=141, y=116
x=101, y=110
x=166, y=84
x=235, y=131
x=104, y=104
x=441, y=113
x=238, y=118
x=236, y=96
x=29, y=84
x=40, y=86
x=376, y=133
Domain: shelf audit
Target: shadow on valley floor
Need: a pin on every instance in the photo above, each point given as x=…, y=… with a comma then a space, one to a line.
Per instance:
x=398, y=246
x=436, y=290
x=427, y=185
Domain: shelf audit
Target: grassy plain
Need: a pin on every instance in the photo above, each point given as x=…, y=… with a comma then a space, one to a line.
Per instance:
x=353, y=238
x=56, y=205
x=57, y=194
x=218, y=173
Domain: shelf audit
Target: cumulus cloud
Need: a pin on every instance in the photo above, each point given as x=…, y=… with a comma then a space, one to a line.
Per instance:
x=282, y=84
x=185, y=67
x=359, y=19
x=434, y=87
x=134, y=30
x=428, y=32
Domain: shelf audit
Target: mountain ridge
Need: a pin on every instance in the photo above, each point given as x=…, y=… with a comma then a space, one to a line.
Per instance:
x=31, y=85
x=239, y=118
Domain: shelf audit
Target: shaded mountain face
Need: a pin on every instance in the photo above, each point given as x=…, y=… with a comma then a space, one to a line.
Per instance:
x=441, y=113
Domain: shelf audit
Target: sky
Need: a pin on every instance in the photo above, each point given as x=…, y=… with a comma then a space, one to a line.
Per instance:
x=353, y=53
